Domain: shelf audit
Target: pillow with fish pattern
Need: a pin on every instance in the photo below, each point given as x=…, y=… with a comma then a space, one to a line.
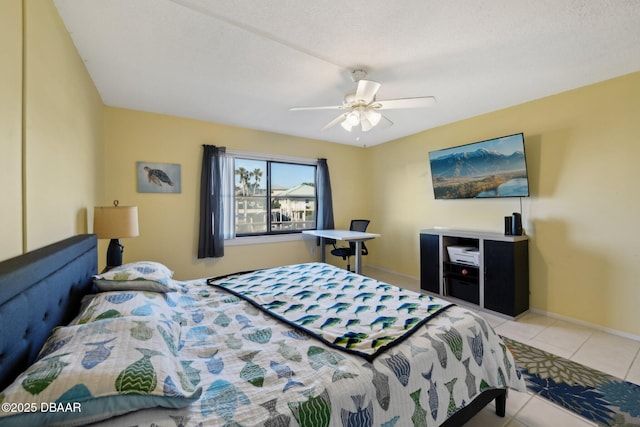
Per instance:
x=94, y=371
x=137, y=276
x=109, y=305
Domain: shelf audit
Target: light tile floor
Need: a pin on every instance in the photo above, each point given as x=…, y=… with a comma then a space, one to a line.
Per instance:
x=606, y=352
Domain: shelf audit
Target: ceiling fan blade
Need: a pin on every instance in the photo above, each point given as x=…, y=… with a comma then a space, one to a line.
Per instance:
x=335, y=121
x=366, y=91
x=321, y=107
x=418, y=102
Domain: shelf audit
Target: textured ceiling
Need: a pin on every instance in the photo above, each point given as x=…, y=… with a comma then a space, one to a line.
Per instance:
x=245, y=62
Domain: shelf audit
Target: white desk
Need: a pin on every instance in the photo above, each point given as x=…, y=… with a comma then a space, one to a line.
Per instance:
x=345, y=235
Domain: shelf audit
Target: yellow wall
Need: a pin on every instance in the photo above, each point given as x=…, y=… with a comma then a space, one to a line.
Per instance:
x=52, y=138
x=11, y=128
x=64, y=131
x=169, y=222
x=582, y=154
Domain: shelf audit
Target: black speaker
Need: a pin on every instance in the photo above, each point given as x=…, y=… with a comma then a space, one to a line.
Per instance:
x=508, y=227
x=516, y=224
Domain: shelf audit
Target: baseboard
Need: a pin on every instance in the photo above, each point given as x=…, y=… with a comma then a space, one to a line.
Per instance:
x=586, y=324
x=386, y=270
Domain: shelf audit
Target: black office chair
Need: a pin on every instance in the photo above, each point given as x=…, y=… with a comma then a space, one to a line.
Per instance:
x=347, y=252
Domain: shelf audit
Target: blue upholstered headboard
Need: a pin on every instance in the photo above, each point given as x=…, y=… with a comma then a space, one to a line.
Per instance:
x=39, y=291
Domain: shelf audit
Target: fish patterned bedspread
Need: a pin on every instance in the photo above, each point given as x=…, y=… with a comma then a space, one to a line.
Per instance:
x=256, y=370
x=356, y=314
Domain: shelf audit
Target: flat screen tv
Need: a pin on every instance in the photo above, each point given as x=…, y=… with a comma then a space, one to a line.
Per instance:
x=492, y=168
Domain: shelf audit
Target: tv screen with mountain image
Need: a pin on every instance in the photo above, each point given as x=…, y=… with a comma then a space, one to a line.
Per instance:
x=492, y=168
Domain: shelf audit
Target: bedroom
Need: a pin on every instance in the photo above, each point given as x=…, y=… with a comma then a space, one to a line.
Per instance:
x=73, y=153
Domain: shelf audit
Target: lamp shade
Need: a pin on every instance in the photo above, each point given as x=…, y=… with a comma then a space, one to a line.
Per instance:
x=115, y=222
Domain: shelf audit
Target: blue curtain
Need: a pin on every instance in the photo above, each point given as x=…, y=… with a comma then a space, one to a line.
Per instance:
x=211, y=240
x=325, y=201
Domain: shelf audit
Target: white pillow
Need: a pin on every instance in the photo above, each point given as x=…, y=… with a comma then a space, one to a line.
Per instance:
x=137, y=276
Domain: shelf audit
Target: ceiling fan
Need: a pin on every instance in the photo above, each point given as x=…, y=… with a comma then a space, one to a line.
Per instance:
x=362, y=108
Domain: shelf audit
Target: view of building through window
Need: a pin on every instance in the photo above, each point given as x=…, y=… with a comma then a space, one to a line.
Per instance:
x=274, y=197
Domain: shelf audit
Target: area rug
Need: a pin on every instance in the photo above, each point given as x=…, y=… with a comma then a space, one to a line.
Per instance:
x=599, y=397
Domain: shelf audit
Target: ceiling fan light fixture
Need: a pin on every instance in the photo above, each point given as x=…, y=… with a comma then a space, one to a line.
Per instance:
x=372, y=116
x=353, y=118
x=346, y=125
x=365, y=125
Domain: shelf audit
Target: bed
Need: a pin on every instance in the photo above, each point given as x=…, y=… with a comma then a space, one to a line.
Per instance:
x=301, y=345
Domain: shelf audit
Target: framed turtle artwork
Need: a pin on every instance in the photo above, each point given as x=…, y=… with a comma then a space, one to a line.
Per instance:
x=158, y=177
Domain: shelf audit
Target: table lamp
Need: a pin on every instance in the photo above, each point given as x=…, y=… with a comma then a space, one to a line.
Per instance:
x=115, y=222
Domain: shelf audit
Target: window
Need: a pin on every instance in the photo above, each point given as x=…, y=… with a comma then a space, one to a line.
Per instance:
x=273, y=197
x=237, y=195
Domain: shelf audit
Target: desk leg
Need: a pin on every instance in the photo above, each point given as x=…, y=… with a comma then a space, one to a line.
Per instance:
x=358, y=256
x=322, y=256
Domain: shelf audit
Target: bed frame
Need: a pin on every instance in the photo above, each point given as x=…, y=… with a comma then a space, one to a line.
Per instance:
x=39, y=291
x=43, y=288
